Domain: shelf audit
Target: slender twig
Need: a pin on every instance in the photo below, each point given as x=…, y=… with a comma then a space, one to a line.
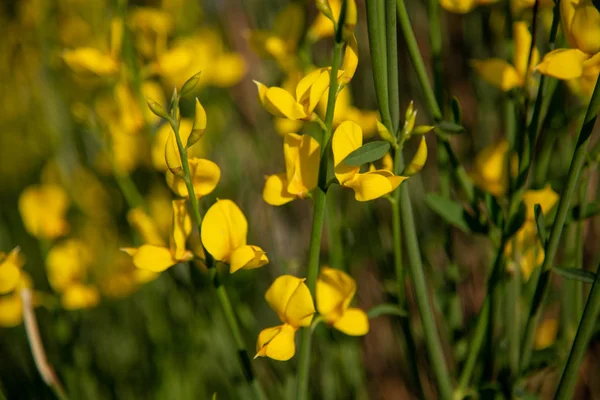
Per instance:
x=37, y=347
x=551, y=248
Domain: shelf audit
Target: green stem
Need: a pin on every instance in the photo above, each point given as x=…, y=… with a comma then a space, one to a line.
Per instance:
x=577, y=163
x=320, y=198
x=432, y=104
x=392, y=64
x=582, y=338
x=377, y=46
x=222, y=295
x=334, y=228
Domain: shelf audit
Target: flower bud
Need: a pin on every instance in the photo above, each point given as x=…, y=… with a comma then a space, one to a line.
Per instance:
x=199, y=125
x=157, y=109
x=325, y=9
x=190, y=84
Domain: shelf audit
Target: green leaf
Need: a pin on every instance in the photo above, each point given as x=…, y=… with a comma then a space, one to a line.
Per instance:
x=386, y=309
x=367, y=153
x=450, y=211
x=577, y=274
x=456, y=110
x=449, y=128
x=540, y=223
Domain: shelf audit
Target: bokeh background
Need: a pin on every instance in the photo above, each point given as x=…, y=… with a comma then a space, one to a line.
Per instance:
x=91, y=133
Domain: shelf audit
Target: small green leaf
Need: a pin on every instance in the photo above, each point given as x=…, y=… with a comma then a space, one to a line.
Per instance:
x=540, y=223
x=190, y=84
x=576, y=274
x=386, y=309
x=367, y=153
x=450, y=211
x=456, y=110
x=449, y=128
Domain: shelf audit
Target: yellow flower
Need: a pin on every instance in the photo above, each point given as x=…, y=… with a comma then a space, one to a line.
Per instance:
x=302, y=155
x=322, y=26
x=11, y=307
x=67, y=263
x=10, y=270
x=367, y=186
x=150, y=28
x=281, y=42
x=290, y=298
x=491, y=171
x=90, y=62
x=43, y=209
x=78, y=296
x=500, y=73
x=159, y=146
x=205, y=176
x=581, y=24
x=157, y=258
x=335, y=290
x=545, y=197
x=463, y=6
x=203, y=52
x=224, y=233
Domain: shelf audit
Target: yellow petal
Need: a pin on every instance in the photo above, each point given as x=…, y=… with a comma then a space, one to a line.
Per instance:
x=545, y=334
x=354, y=322
x=275, y=191
x=563, y=64
x=522, y=39
x=387, y=162
x=311, y=88
x=247, y=257
x=350, y=61
x=374, y=184
x=228, y=70
x=335, y=290
x=346, y=138
x=11, y=310
x=153, y=258
x=281, y=103
x=290, y=298
x=67, y=262
x=302, y=155
x=78, y=296
x=498, y=73
x=145, y=226
x=581, y=24
x=199, y=125
x=90, y=61
x=418, y=161
x=182, y=227
x=43, y=210
x=545, y=197
x=283, y=126
x=224, y=229
x=276, y=343
x=10, y=270
x=162, y=138
x=205, y=178
x=491, y=169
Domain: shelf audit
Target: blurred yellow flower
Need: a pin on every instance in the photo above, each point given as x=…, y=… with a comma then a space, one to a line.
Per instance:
x=490, y=172
x=545, y=334
x=78, y=296
x=157, y=258
x=500, y=73
x=89, y=62
x=281, y=42
x=302, y=155
x=581, y=24
x=67, y=263
x=11, y=307
x=145, y=226
x=43, y=209
x=367, y=186
x=290, y=298
x=335, y=290
x=151, y=28
x=10, y=270
x=463, y=6
x=224, y=234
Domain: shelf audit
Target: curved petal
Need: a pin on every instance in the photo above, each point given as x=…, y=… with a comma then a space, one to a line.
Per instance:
x=545, y=197
x=247, y=257
x=182, y=227
x=290, y=298
x=275, y=191
x=152, y=258
x=281, y=103
x=302, y=155
x=498, y=73
x=335, y=290
x=563, y=64
x=276, y=343
x=354, y=322
x=10, y=271
x=347, y=137
x=224, y=229
x=418, y=161
x=350, y=61
x=11, y=310
x=522, y=38
x=374, y=184
x=205, y=178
